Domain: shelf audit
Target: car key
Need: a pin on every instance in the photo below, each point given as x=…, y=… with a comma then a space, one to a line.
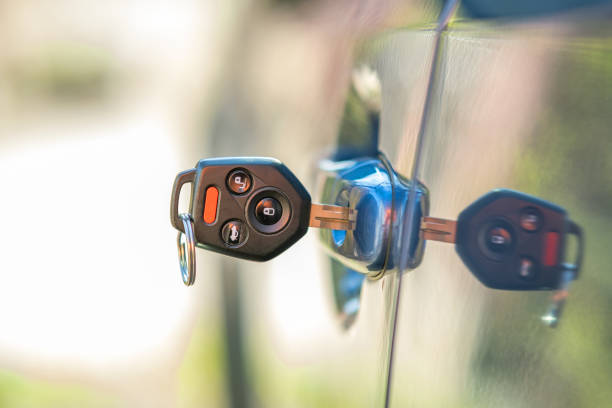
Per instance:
x=251, y=208
x=513, y=241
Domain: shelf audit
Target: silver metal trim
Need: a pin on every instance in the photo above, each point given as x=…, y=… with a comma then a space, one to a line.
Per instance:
x=186, y=250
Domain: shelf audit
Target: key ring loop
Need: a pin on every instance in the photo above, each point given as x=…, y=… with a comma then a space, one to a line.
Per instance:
x=186, y=250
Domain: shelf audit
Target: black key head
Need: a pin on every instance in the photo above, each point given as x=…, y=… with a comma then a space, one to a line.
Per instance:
x=251, y=208
x=514, y=241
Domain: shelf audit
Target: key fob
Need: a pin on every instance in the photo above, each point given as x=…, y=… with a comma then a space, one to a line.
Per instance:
x=250, y=208
x=513, y=241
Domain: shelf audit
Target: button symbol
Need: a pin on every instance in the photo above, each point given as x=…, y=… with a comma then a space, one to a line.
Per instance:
x=499, y=239
x=530, y=219
x=239, y=181
x=496, y=239
x=233, y=233
x=268, y=211
x=526, y=269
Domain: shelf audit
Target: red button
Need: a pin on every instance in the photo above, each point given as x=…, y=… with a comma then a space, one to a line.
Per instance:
x=551, y=249
x=210, y=204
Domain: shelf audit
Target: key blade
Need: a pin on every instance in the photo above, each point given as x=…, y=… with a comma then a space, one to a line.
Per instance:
x=332, y=217
x=439, y=229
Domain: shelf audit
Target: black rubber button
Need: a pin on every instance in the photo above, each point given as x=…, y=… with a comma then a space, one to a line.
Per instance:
x=531, y=220
x=498, y=239
x=234, y=233
x=239, y=181
x=526, y=269
x=268, y=211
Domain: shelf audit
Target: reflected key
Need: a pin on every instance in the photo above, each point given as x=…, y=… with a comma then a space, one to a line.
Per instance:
x=511, y=240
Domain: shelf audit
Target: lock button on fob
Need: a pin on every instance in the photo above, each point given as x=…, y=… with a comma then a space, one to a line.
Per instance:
x=496, y=239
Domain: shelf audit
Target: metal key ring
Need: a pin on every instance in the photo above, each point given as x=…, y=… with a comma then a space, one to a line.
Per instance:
x=186, y=249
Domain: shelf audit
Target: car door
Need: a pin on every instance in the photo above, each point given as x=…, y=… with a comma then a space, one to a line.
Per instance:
x=515, y=104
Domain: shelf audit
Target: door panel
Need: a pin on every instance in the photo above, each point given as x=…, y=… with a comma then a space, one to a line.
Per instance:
x=523, y=107
x=404, y=77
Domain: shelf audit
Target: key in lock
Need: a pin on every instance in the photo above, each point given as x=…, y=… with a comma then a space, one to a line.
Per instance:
x=509, y=240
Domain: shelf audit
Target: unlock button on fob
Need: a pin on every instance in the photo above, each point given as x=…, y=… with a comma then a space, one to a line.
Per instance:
x=268, y=211
x=496, y=239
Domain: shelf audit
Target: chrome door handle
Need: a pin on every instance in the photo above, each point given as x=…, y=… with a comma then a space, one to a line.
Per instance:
x=370, y=186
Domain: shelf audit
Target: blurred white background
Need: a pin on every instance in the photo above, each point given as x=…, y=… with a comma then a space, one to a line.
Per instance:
x=100, y=105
